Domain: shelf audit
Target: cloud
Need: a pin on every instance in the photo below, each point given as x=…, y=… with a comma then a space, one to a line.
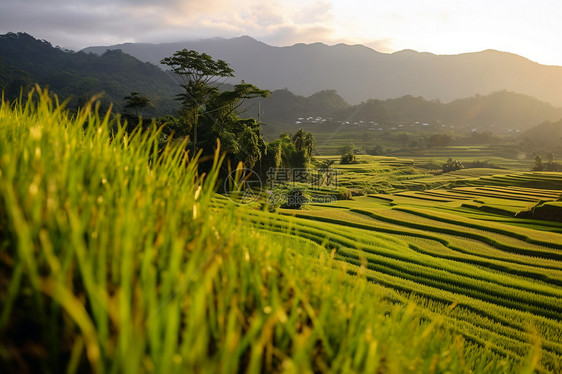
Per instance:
x=441, y=26
x=80, y=23
x=74, y=23
x=317, y=12
x=288, y=22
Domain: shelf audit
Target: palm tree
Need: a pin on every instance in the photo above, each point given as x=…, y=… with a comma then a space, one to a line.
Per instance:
x=309, y=144
x=304, y=142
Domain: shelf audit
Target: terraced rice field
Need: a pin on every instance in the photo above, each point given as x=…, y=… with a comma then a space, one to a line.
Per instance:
x=482, y=177
x=506, y=156
x=117, y=256
x=494, y=279
x=391, y=174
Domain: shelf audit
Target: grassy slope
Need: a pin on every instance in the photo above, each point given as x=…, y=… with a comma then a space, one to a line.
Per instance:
x=115, y=257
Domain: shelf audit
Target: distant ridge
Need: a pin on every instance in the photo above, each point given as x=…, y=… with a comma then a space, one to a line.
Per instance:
x=25, y=61
x=544, y=135
x=498, y=112
x=359, y=73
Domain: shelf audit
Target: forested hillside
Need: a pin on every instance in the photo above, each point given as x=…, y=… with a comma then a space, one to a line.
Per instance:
x=545, y=134
x=496, y=112
x=25, y=61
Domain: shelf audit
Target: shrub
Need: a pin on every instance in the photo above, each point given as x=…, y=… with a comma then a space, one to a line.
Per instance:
x=344, y=194
x=296, y=198
x=348, y=158
x=452, y=165
x=481, y=164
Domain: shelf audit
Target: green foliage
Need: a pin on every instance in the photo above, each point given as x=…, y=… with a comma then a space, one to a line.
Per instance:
x=347, y=148
x=136, y=103
x=288, y=152
x=348, y=158
x=344, y=194
x=273, y=156
x=430, y=164
x=247, y=144
x=439, y=140
x=481, y=164
x=348, y=154
x=325, y=164
x=296, y=198
x=291, y=151
x=173, y=127
x=77, y=76
x=199, y=75
x=195, y=67
x=304, y=145
x=215, y=112
x=452, y=165
x=242, y=138
x=550, y=165
x=538, y=163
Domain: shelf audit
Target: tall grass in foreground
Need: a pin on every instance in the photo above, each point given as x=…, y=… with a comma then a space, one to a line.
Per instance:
x=114, y=258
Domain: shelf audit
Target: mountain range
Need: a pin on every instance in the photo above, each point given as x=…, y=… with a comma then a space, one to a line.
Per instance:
x=359, y=73
x=77, y=76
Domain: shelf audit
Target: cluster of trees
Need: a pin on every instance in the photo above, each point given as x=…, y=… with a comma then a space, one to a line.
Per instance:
x=209, y=112
x=291, y=151
x=371, y=142
x=439, y=140
x=348, y=154
x=444, y=140
x=549, y=165
x=452, y=165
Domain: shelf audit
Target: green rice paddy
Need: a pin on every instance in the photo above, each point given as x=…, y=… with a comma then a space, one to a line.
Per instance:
x=117, y=255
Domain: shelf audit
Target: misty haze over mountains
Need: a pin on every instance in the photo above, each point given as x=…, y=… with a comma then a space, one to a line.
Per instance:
x=77, y=76
x=359, y=73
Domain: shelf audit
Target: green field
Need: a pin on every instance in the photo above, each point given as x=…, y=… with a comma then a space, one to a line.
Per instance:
x=460, y=252
x=395, y=143
x=117, y=255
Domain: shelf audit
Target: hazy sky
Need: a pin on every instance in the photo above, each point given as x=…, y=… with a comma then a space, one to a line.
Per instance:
x=530, y=28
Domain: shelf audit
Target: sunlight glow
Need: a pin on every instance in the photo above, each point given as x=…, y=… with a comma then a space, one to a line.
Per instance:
x=527, y=28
